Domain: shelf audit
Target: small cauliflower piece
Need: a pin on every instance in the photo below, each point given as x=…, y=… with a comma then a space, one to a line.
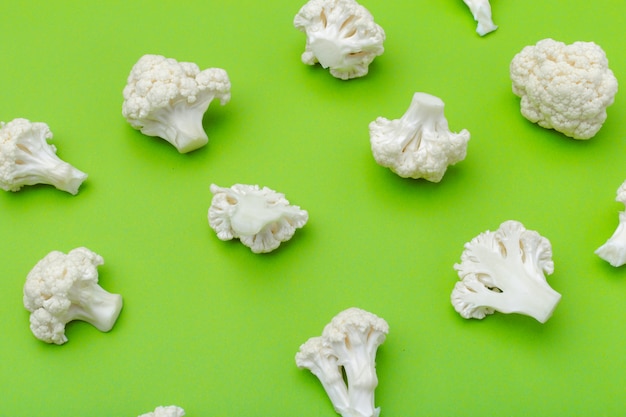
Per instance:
x=341, y=35
x=348, y=345
x=61, y=288
x=260, y=218
x=26, y=158
x=564, y=87
x=167, y=98
x=166, y=411
x=419, y=144
x=504, y=271
x=614, y=250
x=481, y=10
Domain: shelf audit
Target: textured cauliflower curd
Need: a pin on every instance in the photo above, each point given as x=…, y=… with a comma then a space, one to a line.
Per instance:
x=167, y=98
x=165, y=411
x=260, y=218
x=341, y=35
x=564, y=87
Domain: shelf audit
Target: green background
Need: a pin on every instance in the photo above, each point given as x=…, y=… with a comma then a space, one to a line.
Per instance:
x=214, y=328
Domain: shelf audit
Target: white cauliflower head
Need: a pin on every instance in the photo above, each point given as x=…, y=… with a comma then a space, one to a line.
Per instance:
x=504, y=271
x=61, y=288
x=26, y=158
x=564, y=87
x=165, y=411
x=341, y=35
x=419, y=144
x=260, y=218
x=614, y=249
x=167, y=98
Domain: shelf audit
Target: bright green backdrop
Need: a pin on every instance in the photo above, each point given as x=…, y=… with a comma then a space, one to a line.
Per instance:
x=214, y=328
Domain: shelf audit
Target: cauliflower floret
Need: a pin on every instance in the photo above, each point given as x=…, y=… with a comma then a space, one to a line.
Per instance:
x=341, y=35
x=167, y=411
x=61, y=288
x=26, y=158
x=167, y=98
x=349, y=343
x=260, y=218
x=504, y=271
x=564, y=87
x=614, y=250
x=419, y=144
x=481, y=10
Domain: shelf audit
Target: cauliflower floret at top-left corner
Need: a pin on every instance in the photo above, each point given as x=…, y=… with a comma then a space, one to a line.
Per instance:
x=167, y=99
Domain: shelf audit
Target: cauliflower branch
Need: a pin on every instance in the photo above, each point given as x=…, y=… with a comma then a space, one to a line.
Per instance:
x=260, y=218
x=61, y=288
x=166, y=411
x=504, y=271
x=481, y=10
x=349, y=343
x=614, y=250
x=168, y=99
x=26, y=158
x=419, y=144
x=564, y=87
x=341, y=35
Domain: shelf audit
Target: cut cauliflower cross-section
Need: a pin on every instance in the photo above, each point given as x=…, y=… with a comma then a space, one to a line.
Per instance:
x=260, y=218
x=614, y=249
x=504, y=271
x=419, y=144
x=167, y=98
x=341, y=35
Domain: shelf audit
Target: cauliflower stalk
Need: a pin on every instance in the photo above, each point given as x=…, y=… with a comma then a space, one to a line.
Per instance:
x=260, y=218
x=481, y=10
x=341, y=35
x=564, y=87
x=165, y=411
x=614, y=249
x=419, y=144
x=504, y=271
x=348, y=345
x=168, y=99
x=26, y=158
x=61, y=288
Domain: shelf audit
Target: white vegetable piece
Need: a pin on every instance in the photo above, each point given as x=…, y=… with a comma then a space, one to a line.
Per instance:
x=166, y=411
x=260, y=218
x=614, y=250
x=167, y=98
x=419, y=144
x=481, y=10
x=564, y=87
x=504, y=271
x=341, y=35
x=61, y=288
x=349, y=343
x=26, y=158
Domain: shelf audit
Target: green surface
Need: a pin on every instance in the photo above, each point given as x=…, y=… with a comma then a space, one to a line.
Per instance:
x=214, y=328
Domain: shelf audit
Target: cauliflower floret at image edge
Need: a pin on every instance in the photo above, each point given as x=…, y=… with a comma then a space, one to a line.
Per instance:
x=614, y=249
x=504, y=271
x=564, y=87
x=481, y=10
x=348, y=345
x=61, y=288
x=167, y=98
x=26, y=158
x=419, y=144
x=341, y=35
x=260, y=218
x=165, y=411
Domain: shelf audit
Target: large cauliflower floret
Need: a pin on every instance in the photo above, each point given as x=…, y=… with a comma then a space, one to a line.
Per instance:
x=341, y=35
x=260, y=218
x=165, y=411
x=348, y=345
x=26, y=158
x=61, y=288
x=504, y=271
x=614, y=250
x=167, y=98
x=564, y=87
x=419, y=144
